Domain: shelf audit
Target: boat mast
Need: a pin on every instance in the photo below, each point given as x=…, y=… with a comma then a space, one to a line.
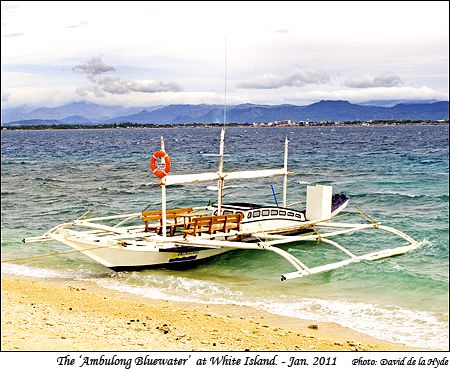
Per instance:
x=163, y=198
x=286, y=142
x=220, y=182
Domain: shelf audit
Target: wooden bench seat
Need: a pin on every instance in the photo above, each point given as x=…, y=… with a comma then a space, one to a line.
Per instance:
x=176, y=215
x=213, y=224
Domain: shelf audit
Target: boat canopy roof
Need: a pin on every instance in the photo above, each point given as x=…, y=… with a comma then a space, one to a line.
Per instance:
x=209, y=176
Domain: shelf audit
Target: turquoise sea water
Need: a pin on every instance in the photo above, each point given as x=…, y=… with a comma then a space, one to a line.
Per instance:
x=398, y=175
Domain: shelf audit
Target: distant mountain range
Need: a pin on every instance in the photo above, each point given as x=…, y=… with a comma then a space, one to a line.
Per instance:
x=89, y=113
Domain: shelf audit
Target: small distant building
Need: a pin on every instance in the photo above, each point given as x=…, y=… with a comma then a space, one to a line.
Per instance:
x=278, y=123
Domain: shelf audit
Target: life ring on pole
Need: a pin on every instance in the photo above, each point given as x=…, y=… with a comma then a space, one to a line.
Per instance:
x=157, y=171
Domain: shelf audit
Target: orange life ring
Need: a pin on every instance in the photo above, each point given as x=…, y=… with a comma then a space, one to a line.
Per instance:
x=157, y=172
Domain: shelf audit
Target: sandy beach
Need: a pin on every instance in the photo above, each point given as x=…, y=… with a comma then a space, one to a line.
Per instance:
x=64, y=315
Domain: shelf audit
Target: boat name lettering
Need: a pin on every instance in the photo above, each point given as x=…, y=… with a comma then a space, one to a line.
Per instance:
x=184, y=253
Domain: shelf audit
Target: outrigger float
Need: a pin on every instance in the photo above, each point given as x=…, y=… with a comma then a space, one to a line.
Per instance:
x=185, y=235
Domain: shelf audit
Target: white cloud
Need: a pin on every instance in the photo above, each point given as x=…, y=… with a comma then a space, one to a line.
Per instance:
x=367, y=94
x=299, y=78
x=120, y=86
x=92, y=68
x=157, y=98
x=76, y=25
x=5, y=97
x=382, y=80
x=13, y=35
x=95, y=67
x=88, y=91
x=39, y=96
x=113, y=85
x=60, y=95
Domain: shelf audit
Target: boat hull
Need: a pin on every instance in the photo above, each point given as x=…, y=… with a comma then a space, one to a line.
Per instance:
x=120, y=258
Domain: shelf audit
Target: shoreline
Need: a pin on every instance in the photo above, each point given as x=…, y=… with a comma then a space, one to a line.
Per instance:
x=64, y=314
x=234, y=125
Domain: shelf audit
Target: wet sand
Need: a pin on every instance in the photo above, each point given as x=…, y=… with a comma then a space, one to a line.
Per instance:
x=67, y=315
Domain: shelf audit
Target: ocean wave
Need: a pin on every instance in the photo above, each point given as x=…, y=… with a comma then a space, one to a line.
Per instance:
x=174, y=288
x=21, y=270
x=414, y=328
x=27, y=271
x=7, y=193
x=443, y=197
x=50, y=179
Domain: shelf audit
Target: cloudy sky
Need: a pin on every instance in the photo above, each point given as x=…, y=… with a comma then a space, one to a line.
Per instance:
x=151, y=53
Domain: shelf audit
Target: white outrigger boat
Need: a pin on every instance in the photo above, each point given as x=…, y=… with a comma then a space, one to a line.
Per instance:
x=187, y=235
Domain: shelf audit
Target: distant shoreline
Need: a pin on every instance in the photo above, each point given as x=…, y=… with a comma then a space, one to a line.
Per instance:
x=218, y=125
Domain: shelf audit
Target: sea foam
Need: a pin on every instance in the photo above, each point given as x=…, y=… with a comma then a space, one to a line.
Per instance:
x=392, y=323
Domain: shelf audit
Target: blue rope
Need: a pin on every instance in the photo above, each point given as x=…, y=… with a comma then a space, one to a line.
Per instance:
x=274, y=195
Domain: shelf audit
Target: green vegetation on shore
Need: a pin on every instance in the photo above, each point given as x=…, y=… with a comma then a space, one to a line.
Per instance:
x=48, y=126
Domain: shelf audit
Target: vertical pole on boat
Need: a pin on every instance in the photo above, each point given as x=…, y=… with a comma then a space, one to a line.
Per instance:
x=163, y=198
x=221, y=181
x=286, y=142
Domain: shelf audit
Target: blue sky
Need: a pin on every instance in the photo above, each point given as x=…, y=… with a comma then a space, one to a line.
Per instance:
x=153, y=53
